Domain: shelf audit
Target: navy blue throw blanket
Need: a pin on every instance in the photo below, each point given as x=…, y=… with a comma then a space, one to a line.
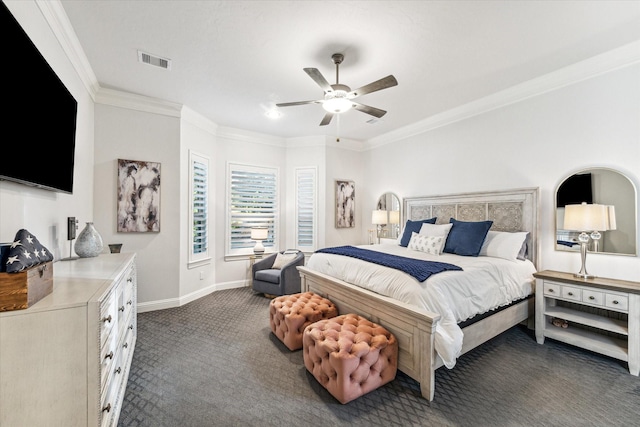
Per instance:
x=417, y=268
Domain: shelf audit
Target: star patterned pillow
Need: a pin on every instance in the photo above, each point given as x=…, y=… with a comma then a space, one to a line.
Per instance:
x=25, y=252
x=432, y=245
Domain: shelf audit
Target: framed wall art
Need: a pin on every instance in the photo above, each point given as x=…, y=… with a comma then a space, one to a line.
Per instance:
x=345, y=204
x=138, y=196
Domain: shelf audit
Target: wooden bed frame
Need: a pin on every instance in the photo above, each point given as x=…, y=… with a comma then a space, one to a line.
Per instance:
x=512, y=210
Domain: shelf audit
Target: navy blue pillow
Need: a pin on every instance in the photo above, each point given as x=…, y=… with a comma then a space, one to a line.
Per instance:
x=413, y=226
x=466, y=238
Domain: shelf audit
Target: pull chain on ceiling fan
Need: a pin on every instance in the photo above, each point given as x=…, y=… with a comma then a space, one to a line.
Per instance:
x=339, y=98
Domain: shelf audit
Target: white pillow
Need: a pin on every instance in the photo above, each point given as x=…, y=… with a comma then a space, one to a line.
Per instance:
x=429, y=244
x=282, y=260
x=503, y=244
x=436, y=230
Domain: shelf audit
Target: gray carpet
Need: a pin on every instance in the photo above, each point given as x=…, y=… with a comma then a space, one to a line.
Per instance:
x=215, y=362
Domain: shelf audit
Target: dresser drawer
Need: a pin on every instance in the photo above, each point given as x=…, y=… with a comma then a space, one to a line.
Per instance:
x=108, y=317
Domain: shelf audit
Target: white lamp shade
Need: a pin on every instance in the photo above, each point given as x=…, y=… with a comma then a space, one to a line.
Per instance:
x=586, y=217
x=394, y=217
x=259, y=233
x=379, y=217
x=611, y=210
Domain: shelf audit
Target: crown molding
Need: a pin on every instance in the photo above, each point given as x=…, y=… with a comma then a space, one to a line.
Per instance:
x=612, y=60
x=58, y=21
x=132, y=101
x=198, y=120
x=251, y=137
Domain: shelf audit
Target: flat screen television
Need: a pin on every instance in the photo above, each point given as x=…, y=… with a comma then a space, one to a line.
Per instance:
x=575, y=190
x=39, y=118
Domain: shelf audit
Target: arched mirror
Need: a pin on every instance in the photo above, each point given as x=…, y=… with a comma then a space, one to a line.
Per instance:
x=600, y=186
x=390, y=203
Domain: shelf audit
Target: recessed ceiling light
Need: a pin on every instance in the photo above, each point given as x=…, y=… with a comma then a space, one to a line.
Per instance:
x=273, y=114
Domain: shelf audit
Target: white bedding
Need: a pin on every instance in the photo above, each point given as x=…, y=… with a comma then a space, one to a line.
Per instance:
x=484, y=284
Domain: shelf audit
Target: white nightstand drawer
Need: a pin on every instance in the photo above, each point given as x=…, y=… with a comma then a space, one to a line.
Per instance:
x=616, y=302
x=552, y=289
x=571, y=293
x=593, y=297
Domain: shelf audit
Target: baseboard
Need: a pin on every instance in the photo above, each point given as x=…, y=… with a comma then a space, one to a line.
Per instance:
x=185, y=299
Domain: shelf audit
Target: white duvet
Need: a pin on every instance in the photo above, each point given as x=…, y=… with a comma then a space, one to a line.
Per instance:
x=484, y=284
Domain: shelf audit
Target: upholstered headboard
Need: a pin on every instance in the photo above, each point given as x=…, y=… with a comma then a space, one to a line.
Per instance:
x=510, y=210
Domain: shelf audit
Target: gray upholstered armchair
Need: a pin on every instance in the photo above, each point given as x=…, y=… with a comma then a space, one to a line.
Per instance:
x=274, y=281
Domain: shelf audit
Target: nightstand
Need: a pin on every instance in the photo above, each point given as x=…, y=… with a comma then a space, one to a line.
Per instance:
x=603, y=314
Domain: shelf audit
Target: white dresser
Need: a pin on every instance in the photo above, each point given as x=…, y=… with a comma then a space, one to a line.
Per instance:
x=65, y=360
x=595, y=326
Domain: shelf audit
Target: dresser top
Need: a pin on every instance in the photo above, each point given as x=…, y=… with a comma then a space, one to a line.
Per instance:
x=598, y=282
x=79, y=281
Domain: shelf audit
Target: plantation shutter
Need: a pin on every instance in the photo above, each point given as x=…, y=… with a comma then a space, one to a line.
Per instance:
x=252, y=203
x=306, y=208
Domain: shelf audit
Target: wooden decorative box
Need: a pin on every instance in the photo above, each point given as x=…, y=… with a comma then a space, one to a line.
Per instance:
x=21, y=290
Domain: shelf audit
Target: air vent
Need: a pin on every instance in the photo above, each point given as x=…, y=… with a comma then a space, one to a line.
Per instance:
x=156, y=61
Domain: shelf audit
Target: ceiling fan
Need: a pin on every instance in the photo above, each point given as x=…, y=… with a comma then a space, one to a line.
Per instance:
x=339, y=98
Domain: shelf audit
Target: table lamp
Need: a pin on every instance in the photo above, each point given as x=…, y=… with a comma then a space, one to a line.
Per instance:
x=259, y=234
x=379, y=218
x=586, y=219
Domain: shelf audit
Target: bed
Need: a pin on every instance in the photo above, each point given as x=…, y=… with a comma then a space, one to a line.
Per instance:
x=422, y=327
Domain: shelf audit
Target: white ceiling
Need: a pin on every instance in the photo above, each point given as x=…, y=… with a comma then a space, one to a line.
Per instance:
x=233, y=60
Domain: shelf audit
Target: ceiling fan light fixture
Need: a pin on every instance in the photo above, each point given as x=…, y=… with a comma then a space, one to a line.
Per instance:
x=337, y=105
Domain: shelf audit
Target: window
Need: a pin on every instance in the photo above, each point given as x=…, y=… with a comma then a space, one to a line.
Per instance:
x=306, y=188
x=198, y=208
x=252, y=202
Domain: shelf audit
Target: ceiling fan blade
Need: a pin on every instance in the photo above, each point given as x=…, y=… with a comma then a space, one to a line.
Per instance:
x=317, y=77
x=376, y=112
x=383, y=83
x=327, y=119
x=289, y=104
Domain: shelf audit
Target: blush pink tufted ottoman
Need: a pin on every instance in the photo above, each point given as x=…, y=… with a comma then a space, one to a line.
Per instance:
x=290, y=314
x=349, y=355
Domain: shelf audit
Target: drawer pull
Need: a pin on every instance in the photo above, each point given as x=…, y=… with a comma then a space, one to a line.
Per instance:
x=615, y=301
x=129, y=280
x=130, y=326
x=107, y=319
x=125, y=345
x=121, y=308
x=570, y=294
x=109, y=356
x=129, y=302
x=591, y=297
x=550, y=291
x=118, y=370
x=107, y=408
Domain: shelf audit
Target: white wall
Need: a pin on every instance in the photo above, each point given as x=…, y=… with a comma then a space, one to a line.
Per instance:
x=123, y=133
x=533, y=143
x=44, y=213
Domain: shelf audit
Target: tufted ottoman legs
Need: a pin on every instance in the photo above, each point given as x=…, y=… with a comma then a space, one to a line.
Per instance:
x=349, y=355
x=290, y=314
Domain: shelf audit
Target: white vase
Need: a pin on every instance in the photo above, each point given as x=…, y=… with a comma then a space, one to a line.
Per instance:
x=89, y=242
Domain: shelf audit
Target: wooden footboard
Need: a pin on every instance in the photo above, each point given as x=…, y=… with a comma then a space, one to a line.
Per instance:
x=414, y=328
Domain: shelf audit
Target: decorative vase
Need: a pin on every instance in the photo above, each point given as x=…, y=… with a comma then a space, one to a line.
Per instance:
x=89, y=242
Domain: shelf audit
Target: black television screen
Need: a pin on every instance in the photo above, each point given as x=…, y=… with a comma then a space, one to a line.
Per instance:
x=575, y=190
x=39, y=118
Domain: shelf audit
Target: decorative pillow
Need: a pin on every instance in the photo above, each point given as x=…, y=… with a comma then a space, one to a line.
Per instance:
x=413, y=227
x=428, y=244
x=282, y=260
x=466, y=237
x=436, y=230
x=502, y=244
x=25, y=252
